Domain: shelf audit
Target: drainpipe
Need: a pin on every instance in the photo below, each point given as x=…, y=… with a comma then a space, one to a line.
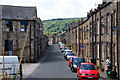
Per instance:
x=30, y=43
x=79, y=42
x=111, y=42
x=95, y=38
x=117, y=41
x=34, y=41
x=38, y=42
x=76, y=41
x=82, y=41
x=92, y=38
x=100, y=40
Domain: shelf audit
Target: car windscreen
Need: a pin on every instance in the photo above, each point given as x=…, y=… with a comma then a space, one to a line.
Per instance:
x=78, y=60
x=87, y=67
x=63, y=48
x=69, y=51
x=71, y=54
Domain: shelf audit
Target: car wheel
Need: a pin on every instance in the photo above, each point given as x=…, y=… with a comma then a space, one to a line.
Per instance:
x=78, y=77
x=72, y=69
x=69, y=65
x=77, y=74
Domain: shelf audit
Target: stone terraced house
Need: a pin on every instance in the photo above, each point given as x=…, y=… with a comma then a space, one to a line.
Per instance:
x=14, y=23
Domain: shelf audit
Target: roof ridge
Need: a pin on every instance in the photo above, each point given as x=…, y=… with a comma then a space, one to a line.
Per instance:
x=19, y=6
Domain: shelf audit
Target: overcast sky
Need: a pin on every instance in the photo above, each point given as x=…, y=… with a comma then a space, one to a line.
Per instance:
x=49, y=9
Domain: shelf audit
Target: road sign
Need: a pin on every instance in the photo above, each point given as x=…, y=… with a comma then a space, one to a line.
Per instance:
x=82, y=46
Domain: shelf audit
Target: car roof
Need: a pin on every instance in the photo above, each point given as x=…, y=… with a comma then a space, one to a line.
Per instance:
x=77, y=57
x=87, y=63
x=68, y=50
x=9, y=59
x=72, y=56
x=70, y=53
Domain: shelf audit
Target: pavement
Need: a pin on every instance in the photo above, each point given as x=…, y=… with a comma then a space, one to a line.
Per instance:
x=103, y=76
x=28, y=68
x=52, y=65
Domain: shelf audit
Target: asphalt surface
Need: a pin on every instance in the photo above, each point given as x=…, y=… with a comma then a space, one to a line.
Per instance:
x=53, y=65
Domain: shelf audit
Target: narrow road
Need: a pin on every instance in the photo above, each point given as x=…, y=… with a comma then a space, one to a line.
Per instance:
x=53, y=65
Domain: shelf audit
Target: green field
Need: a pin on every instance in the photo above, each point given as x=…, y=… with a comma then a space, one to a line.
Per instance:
x=54, y=26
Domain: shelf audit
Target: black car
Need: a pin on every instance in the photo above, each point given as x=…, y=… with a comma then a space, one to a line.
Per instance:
x=75, y=62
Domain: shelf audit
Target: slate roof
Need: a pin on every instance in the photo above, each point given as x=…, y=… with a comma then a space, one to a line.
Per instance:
x=74, y=24
x=17, y=12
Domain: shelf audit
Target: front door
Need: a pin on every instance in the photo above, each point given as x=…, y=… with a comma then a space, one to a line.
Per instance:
x=9, y=47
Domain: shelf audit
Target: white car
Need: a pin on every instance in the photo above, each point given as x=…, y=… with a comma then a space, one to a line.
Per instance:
x=49, y=43
x=69, y=55
x=66, y=52
x=8, y=61
x=62, y=45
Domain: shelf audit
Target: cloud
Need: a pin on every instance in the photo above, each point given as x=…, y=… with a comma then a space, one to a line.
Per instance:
x=48, y=9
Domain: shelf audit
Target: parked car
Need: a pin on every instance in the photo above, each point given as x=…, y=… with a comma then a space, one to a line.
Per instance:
x=69, y=55
x=49, y=43
x=60, y=43
x=61, y=46
x=8, y=61
x=66, y=52
x=87, y=71
x=63, y=49
x=75, y=62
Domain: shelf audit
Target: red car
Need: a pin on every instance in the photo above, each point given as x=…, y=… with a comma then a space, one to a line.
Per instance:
x=87, y=71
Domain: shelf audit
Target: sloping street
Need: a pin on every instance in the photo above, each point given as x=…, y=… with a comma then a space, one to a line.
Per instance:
x=52, y=65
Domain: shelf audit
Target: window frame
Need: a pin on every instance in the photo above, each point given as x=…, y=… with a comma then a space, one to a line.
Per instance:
x=25, y=25
x=98, y=27
x=8, y=25
x=103, y=52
